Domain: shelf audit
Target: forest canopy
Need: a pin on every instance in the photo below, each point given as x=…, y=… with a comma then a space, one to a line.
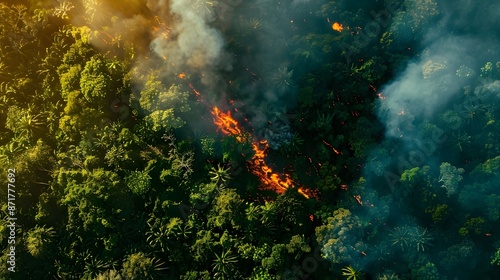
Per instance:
x=263, y=139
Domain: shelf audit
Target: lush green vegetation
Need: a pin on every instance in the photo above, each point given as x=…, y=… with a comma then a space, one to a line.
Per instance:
x=121, y=173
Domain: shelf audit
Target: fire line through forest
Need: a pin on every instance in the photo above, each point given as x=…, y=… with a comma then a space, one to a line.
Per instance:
x=269, y=179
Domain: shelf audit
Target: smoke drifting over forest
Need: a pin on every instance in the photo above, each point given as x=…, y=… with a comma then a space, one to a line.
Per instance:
x=425, y=86
x=262, y=139
x=463, y=37
x=192, y=42
x=262, y=83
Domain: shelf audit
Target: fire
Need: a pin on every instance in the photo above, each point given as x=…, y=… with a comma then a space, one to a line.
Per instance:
x=198, y=94
x=358, y=199
x=225, y=122
x=181, y=75
x=270, y=180
x=331, y=147
x=337, y=27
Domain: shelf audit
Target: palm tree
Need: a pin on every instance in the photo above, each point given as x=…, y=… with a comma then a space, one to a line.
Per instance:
x=282, y=79
x=323, y=122
x=473, y=111
x=219, y=175
x=421, y=238
x=158, y=238
x=461, y=140
x=400, y=236
x=10, y=150
x=205, y=7
x=110, y=274
x=141, y=266
x=254, y=24
x=224, y=264
x=251, y=231
x=63, y=9
x=93, y=266
x=295, y=143
x=38, y=239
x=388, y=276
x=24, y=122
x=268, y=211
x=351, y=273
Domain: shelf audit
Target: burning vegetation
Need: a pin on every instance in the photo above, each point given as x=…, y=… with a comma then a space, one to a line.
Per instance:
x=269, y=179
x=337, y=27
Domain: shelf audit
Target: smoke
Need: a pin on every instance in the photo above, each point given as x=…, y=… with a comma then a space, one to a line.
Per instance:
x=192, y=41
x=426, y=85
x=189, y=38
x=423, y=113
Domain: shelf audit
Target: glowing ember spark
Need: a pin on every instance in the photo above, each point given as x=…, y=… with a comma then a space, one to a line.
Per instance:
x=182, y=75
x=358, y=199
x=270, y=180
x=198, y=94
x=331, y=147
x=337, y=27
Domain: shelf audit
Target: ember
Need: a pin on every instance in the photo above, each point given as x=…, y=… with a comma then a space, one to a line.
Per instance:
x=198, y=94
x=331, y=147
x=337, y=27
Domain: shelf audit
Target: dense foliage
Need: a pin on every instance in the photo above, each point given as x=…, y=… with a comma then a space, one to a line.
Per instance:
x=385, y=109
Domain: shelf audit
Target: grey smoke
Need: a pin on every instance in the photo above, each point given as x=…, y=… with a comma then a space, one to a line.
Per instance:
x=425, y=85
x=193, y=41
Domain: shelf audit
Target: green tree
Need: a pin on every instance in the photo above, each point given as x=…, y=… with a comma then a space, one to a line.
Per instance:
x=25, y=123
x=351, y=273
x=110, y=274
x=96, y=201
x=495, y=259
x=401, y=237
x=161, y=105
x=219, y=175
x=204, y=245
x=424, y=270
x=138, y=182
x=227, y=209
x=450, y=177
x=39, y=241
x=95, y=82
x=140, y=266
x=224, y=264
x=473, y=226
x=342, y=232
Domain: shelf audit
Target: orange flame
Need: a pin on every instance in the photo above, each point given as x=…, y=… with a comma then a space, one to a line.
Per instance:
x=331, y=147
x=270, y=180
x=225, y=122
x=182, y=75
x=198, y=94
x=337, y=27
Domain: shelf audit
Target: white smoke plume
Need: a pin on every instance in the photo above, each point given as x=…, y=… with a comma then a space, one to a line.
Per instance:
x=192, y=42
x=425, y=85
